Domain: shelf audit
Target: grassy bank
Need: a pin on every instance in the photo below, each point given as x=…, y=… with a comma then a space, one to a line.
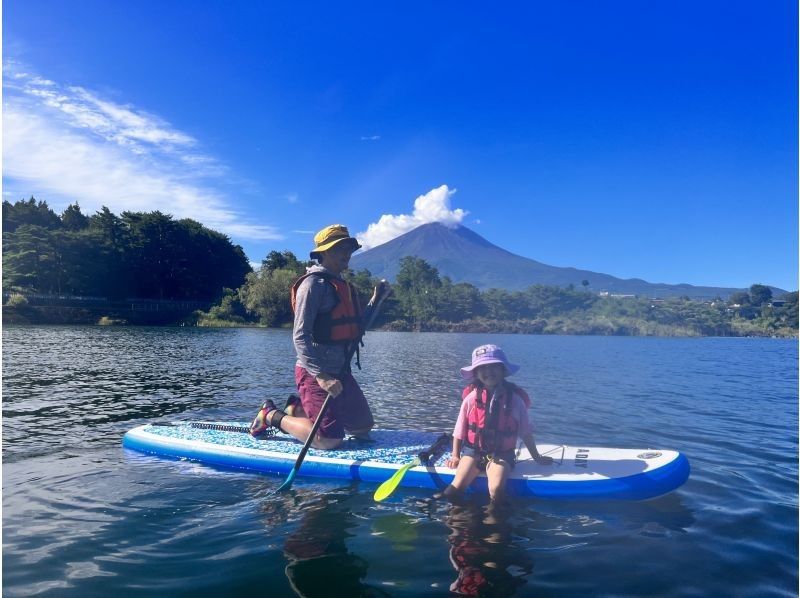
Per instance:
x=592, y=326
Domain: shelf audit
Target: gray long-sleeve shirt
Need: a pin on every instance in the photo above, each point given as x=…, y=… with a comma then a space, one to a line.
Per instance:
x=316, y=295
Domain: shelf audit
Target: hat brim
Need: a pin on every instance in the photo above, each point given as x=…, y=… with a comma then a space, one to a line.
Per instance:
x=325, y=247
x=468, y=373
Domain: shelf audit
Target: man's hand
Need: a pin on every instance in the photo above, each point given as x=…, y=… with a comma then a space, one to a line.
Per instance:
x=330, y=384
x=380, y=291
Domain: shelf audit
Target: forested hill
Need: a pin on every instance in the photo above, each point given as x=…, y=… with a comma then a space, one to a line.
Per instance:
x=145, y=255
x=464, y=256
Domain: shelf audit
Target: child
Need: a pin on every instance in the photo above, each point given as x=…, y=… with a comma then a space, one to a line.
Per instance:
x=493, y=415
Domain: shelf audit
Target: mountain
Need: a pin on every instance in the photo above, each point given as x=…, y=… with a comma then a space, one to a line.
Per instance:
x=465, y=256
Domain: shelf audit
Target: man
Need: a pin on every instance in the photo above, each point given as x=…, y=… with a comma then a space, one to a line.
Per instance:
x=328, y=323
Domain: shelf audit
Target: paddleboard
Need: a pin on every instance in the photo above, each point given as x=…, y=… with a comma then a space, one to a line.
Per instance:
x=577, y=472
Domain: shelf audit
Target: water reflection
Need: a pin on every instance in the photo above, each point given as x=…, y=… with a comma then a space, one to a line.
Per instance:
x=319, y=562
x=482, y=551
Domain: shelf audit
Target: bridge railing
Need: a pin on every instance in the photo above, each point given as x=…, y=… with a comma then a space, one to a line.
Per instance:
x=88, y=302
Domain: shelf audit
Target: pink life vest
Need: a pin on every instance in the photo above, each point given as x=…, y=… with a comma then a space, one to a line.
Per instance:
x=481, y=433
x=517, y=390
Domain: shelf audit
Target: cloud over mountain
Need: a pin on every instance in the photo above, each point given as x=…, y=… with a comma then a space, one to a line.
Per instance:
x=434, y=206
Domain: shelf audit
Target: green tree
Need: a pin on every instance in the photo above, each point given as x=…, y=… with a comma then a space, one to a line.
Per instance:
x=458, y=302
x=416, y=290
x=38, y=259
x=547, y=301
x=266, y=295
x=499, y=305
x=110, y=227
x=32, y=212
x=788, y=312
x=739, y=298
x=73, y=219
x=170, y=259
x=222, y=263
x=154, y=255
x=285, y=259
x=25, y=258
x=760, y=294
x=147, y=255
x=229, y=308
x=92, y=266
x=275, y=260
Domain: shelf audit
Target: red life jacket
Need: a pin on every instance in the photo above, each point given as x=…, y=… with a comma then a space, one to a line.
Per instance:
x=342, y=324
x=481, y=434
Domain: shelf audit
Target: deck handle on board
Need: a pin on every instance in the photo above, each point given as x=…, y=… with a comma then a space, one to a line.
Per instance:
x=209, y=426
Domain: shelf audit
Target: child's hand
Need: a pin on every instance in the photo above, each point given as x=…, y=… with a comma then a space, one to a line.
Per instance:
x=543, y=459
x=453, y=462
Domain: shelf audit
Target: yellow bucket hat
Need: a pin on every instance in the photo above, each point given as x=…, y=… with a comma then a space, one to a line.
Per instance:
x=330, y=236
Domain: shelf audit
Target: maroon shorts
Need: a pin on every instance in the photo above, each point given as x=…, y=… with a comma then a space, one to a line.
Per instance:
x=347, y=412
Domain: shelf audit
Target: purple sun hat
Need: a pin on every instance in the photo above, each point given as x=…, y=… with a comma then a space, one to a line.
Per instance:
x=484, y=355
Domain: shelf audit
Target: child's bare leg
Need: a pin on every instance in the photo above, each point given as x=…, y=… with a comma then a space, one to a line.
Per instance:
x=496, y=476
x=466, y=472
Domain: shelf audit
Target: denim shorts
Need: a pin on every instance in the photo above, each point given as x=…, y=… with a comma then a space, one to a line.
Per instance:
x=482, y=458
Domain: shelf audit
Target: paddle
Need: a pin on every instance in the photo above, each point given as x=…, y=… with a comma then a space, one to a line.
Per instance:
x=382, y=294
x=390, y=485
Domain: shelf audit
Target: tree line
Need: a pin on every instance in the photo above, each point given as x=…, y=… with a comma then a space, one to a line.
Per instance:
x=138, y=254
x=152, y=256
x=425, y=301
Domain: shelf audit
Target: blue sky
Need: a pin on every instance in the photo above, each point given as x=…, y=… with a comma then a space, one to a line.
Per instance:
x=655, y=140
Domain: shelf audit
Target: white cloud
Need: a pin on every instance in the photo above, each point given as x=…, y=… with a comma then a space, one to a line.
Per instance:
x=370, y=137
x=127, y=125
x=434, y=206
x=68, y=143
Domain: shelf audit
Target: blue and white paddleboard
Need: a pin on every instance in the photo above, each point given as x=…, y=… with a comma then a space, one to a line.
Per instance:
x=577, y=472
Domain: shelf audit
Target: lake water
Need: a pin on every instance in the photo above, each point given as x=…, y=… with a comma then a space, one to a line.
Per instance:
x=84, y=517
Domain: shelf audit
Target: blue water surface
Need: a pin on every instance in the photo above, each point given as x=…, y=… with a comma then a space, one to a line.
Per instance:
x=84, y=517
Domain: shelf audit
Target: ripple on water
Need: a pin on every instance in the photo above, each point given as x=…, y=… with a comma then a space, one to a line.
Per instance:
x=83, y=517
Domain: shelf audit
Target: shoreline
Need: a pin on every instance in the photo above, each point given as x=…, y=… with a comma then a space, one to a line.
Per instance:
x=31, y=316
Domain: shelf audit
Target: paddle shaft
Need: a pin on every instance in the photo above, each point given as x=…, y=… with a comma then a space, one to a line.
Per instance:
x=302, y=454
x=350, y=352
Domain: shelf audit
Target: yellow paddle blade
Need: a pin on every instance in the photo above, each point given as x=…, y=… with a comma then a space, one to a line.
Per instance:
x=390, y=485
